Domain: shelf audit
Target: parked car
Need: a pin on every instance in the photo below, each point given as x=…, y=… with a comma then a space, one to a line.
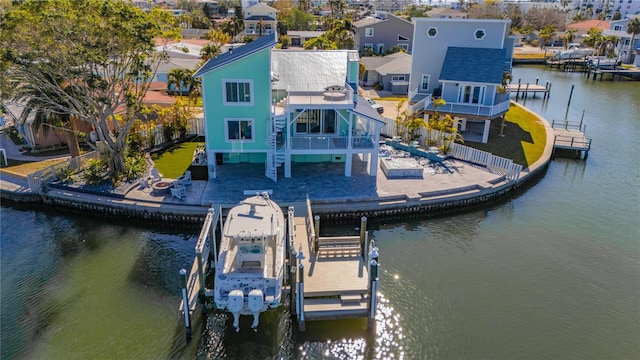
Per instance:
x=378, y=107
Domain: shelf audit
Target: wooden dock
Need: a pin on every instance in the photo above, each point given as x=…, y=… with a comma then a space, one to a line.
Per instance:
x=336, y=282
x=523, y=90
x=569, y=136
x=631, y=74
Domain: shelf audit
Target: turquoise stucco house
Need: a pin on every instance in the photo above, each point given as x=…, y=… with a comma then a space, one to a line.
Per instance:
x=279, y=107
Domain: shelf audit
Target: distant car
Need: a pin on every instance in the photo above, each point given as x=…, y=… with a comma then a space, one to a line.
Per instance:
x=378, y=107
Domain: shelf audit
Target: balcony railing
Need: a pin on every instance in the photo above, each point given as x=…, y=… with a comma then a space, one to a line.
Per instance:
x=469, y=109
x=331, y=142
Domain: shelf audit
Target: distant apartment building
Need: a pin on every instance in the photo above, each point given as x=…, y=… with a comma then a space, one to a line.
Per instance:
x=625, y=7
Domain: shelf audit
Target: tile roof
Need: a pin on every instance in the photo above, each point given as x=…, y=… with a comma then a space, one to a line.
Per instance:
x=262, y=43
x=586, y=25
x=480, y=65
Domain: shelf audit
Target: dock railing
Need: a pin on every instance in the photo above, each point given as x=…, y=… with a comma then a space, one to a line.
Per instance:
x=311, y=230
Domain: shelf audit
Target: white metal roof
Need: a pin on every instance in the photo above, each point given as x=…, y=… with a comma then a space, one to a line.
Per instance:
x=309, y=70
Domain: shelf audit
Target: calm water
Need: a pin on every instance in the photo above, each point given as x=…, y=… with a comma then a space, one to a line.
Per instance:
x=552, y=273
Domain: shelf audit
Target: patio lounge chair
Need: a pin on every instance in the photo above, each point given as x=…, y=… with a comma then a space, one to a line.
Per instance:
x=155, y=175
x=178, y=191
x=185, y=179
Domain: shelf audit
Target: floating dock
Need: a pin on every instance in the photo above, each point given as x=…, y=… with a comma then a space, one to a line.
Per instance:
x=327, y=277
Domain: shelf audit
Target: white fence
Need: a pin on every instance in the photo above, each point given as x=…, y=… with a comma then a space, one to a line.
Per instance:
x=37, y=179
x=495, y=164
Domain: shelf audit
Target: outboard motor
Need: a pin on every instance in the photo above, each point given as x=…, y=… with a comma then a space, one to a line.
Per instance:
x=236, y=303
x=256, y=304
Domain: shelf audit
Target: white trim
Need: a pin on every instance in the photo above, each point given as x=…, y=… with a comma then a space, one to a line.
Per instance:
x=404, y=47
x=253, y=130
x=481, y=97
x=421, y=87
x=429, y=29
x=239, y=103
x=366, y=32
x=404, y=38
x=484, y=32
x=398, y=78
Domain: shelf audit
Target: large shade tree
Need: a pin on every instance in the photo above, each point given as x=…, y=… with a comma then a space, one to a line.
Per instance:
x=87, y=59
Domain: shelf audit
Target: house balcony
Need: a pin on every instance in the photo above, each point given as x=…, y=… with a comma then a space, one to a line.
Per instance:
x=477, y=111
x=330, y=143
x=256, y=32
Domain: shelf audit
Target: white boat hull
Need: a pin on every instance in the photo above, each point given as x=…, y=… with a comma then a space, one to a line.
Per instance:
x=250, y=267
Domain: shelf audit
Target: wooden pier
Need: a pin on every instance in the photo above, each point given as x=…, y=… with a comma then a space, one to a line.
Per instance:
x=523, y=90
x=570, y=136
x=333, y=271
x=631, y=74
x=568, y=65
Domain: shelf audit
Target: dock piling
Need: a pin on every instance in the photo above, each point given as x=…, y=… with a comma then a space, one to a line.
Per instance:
x=373, y=295
x=363, y=231
x=316, y=225
x=185, y=303
x=300, y=302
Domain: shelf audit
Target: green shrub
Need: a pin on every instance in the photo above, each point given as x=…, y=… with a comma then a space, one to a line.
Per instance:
x=135, y=143
x=66, y=175
x=134, y=166
x=94, y=173
x=169, y=129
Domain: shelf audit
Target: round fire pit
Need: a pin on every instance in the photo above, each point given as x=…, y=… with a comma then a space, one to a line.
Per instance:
x=161, y=186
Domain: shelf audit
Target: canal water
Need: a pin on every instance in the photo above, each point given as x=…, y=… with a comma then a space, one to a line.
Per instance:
x=551, y=273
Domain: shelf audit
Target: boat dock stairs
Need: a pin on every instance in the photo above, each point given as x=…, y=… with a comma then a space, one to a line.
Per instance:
x=326, y=277
x=570, y=136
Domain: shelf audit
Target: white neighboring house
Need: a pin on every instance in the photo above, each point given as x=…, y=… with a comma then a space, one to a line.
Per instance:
x=618, y=28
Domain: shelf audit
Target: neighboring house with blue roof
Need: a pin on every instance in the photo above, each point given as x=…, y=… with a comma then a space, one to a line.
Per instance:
x=462, y=61
x=280, y=107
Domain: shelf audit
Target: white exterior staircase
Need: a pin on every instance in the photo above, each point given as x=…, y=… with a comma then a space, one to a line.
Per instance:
x=275, y=156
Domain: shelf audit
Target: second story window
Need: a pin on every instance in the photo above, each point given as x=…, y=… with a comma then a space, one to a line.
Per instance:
x=368, y=32
x=238, y=92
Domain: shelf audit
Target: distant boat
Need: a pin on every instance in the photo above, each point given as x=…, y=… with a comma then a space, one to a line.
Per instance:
x=250, y=268
x=573, y=54
x=603, y=62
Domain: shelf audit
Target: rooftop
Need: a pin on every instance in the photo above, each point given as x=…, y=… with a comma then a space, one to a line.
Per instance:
x=473, y=65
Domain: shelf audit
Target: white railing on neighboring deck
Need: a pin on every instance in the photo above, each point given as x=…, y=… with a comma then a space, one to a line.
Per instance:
x=40, y=177
x=495, y=164
x=469, y=109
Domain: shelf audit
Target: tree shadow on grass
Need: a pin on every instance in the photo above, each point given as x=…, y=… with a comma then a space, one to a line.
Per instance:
x=508, y=146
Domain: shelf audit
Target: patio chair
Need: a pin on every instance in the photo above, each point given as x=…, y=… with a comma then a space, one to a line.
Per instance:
x=185, y=179
x=178, y=191
x=155, y=175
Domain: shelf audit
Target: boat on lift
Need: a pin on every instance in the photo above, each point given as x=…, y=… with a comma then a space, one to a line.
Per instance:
x=251, y=262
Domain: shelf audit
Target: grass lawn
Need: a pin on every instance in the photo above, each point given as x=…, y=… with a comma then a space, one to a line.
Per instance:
x=523, y=141
x=172, y=162
x=23, y=168
x=528, y=56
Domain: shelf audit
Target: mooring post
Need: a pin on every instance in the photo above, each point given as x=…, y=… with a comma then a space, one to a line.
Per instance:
x=363, y=231
x=301, y=325
x=200, y=271
x=293, y=281
x=373, y=294
x=518, y=91
x=185, y=303
x=212, y=238
x=316, y=226
x=549, y=91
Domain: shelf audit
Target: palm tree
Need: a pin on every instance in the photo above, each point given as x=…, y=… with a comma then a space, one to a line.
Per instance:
x=176, y=78
x=633, y=28
x=209, y=51
x=568, y=37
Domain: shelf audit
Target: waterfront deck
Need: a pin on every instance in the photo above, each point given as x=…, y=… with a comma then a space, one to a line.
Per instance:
x=336, y=276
